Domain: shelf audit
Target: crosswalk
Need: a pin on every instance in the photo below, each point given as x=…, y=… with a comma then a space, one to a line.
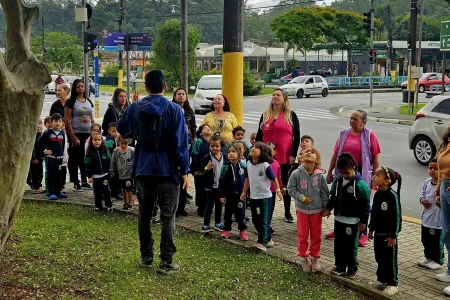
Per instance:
x=310, y=114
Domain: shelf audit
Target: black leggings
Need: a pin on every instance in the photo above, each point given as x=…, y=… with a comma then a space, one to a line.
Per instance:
x=284, y=179
x=76, y=159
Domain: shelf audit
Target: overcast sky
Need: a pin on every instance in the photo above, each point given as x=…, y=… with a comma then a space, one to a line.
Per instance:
x=256, y=3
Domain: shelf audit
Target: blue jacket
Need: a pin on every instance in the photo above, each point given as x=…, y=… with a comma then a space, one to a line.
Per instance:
x=175, y=160
x=229, y=183
x=97, y=163
x=51, y=141
x=199, y=150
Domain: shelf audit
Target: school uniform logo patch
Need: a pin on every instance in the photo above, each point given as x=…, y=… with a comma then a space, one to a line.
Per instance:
x=348, y=231
x=104, y=156
x=258, y=210
x=60, y=167
x=128, y=183
x=432, y=231
x=240, y=204
x=261, y=173
x=384, y=206
x=105, y=182
x=241, y=172
x=350, y=190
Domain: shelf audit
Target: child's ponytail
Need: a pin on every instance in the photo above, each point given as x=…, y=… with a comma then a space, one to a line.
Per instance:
x=399, y=183
x=394, y=177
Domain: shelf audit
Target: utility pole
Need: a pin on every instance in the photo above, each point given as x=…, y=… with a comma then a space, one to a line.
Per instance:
x=372, y=15
x=412, y=42
x=391, y=45
x=44, y=52
x=120, y=75
x=233, y=58
x=419, y=51
x=85, y=53
x=184, y=46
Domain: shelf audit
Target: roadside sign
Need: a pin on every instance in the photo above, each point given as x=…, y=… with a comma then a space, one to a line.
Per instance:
x=117, y=41
x=416, y=72
x=445, y=36
x=142, y=41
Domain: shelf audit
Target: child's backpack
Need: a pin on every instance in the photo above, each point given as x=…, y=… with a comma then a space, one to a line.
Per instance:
x=151, y=132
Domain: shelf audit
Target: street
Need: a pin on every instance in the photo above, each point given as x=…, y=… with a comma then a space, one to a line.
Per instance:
x=317, y=120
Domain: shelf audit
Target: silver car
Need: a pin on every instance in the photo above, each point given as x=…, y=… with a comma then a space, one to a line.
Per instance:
x=425, y=135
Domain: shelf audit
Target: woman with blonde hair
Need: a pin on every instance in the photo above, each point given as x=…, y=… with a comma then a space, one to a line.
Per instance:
x=280, y=126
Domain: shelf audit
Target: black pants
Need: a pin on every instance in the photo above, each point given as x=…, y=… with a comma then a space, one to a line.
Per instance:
x=386, y=258
x=53, y=177
x=36, y=175
x=272, y=207
x=286, y=198
x=182, y=199
x=346, y=245
x=432, y=244
x=200, y=194
x=232, y=206
x=164, y=191
x=114, y=185
x=63, y=175
x=101, y=191
x=76, y=159
x=212, y=200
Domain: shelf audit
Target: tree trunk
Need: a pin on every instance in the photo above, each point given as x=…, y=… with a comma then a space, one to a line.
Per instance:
x=22, y=79
x=349, y=63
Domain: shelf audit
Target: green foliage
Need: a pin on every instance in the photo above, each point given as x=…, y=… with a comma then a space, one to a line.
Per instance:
x=430, y=32
x=292, y=63
x=61, y=48
x=251, y=87
x=111, y=71
x=167, y=54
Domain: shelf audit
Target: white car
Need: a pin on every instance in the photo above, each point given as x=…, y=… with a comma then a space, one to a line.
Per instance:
x=207, y=89
x=306, y=86
x=51, y=87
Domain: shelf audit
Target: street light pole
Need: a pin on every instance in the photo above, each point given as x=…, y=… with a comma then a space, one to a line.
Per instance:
x=184, y=46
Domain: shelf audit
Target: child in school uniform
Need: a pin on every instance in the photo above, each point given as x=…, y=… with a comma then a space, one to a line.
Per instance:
x=385, y=225
x=36, y=165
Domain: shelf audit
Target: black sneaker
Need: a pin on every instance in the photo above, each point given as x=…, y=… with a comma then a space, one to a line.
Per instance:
x=130, y=207
x=272, y=231
x=219, y=227
x=168, y=268
x=183, y=213
x=351, y=274
x=119, y=197
x=98, y=208
x=109, y=209
x=188, y=196
x=289, y=219
x=77, y=188
x=125, y=207
x=338, y=271
x=86, y=186
x=146, y=261
x=155, y=220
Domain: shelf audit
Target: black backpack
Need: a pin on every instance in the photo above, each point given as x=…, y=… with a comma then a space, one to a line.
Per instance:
x=151, y=132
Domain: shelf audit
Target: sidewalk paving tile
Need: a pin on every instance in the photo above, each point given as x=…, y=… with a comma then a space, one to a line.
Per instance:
x=414, y=282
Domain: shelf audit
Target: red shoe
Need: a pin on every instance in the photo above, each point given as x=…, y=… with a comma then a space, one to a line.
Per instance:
x=225, y=234
x=330, y=236
x=363, y=241
x=243, y=235
x=136, y=201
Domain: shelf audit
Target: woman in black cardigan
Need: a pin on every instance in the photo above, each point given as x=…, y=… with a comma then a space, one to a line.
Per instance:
x=180, y=97
x=115, y=109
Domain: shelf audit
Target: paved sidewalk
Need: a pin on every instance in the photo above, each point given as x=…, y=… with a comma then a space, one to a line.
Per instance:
x=414, y=282
x=379, y=113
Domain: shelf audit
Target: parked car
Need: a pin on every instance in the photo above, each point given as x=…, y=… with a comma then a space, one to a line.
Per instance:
x=425, y=135
x=207, y=89
x=427, y=80
x=306, y=86
x=285, y=79
x=51, y=87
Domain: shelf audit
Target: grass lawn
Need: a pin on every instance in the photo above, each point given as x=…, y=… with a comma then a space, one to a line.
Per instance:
x=266, y=91
x=70, y=252
x=404, y=108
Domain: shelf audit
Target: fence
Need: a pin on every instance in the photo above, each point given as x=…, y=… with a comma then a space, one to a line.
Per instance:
x=365, y=80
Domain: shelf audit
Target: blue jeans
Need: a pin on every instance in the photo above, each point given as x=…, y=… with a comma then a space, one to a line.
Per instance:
x=445, y=220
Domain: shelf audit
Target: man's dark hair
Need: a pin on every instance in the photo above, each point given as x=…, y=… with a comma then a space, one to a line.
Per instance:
x=154, y=81
x=57, y=116
x=307, y=137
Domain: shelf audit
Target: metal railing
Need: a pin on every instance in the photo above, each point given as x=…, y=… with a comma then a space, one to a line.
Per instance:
x=365, y=80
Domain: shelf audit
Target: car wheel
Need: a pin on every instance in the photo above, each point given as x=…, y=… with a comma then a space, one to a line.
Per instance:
x=446, y=89
x=324, y=92
x=300, y=93
x=424, y=150
x=307, y=96
x=421, y=89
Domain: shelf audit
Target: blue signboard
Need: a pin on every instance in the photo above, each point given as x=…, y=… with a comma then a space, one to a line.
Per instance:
x=143, y=41
x=112, y=40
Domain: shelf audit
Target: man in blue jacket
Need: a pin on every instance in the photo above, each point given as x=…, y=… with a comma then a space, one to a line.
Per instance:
x=160, y=164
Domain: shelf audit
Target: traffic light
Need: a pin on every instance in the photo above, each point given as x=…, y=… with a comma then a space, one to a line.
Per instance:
x=89, y=15
x=372, y=56
x=89, y=41
x=367, y=20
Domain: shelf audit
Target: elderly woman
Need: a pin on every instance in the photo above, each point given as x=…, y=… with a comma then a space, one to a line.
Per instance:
x=362, y=144
x=115, y=109
x=221, y=120
x=78, y=118
x=62, y=93
x=280, y=126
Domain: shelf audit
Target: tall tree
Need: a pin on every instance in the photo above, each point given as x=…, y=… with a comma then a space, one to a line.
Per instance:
x=22, y=79
x=61, y=48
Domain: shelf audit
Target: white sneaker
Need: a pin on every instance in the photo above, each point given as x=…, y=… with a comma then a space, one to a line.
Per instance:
x=447, y=290
x=391, y=290
x=270, y=243
x=444, y=277
x=315, y=266
x=379, y=285
x=306, y=267
x=260, y=247
x=424, y=262
x=432, y=265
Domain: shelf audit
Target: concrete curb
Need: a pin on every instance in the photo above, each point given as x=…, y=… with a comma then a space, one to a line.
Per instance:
x=365, y=91
x=342, y=109
x=362, y=287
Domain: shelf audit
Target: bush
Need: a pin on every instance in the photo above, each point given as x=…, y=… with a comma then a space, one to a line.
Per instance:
x=292, y=64
x=111, y=71
x=251, y=87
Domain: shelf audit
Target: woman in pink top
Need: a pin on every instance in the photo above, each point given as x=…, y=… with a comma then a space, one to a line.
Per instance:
x=362, y=144
x=280, y=126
